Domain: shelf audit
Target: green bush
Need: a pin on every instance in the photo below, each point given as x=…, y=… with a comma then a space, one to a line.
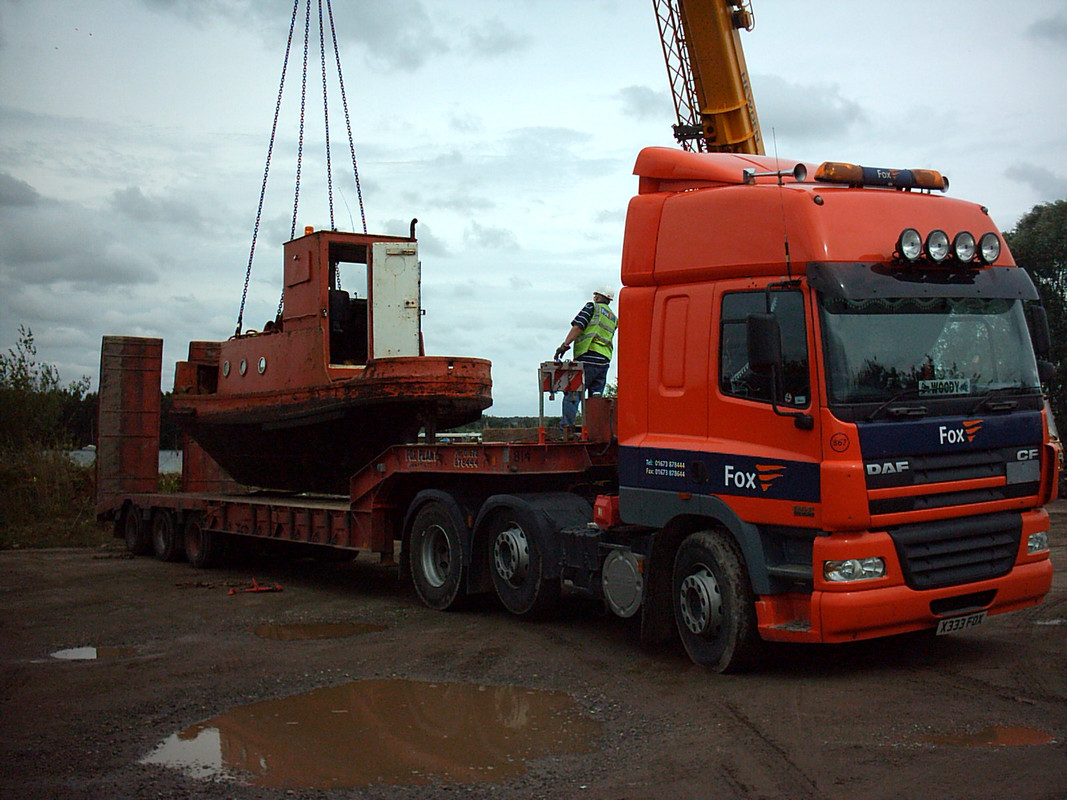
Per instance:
x=45, y=499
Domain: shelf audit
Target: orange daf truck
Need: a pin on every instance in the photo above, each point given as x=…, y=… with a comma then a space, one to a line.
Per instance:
x=829, y=427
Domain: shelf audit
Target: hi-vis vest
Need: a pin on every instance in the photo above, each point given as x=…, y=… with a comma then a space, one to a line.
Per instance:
x=598, y=333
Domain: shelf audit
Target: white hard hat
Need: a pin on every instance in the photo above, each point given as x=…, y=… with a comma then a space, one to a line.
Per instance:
x=605, y=291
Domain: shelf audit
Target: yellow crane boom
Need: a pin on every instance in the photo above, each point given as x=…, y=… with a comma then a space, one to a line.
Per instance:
x=708, y=76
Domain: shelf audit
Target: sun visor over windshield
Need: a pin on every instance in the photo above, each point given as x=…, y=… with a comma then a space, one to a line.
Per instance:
x=866, y=281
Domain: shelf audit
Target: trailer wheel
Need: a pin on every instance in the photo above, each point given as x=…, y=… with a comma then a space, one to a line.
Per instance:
x=165, y=540
x=202, y=548
x=137, y=541
x=517, y=564
x=436, y=557
x=714, y=606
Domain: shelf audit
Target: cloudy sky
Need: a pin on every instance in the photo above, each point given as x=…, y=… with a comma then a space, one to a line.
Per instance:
x=133, y=136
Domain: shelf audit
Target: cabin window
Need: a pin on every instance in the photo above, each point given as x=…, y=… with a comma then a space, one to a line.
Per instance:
x=736, y=377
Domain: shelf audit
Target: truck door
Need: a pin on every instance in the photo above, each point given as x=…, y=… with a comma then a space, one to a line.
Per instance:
x=755, y=417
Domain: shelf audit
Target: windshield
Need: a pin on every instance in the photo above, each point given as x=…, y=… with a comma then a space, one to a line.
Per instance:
x=878, y=350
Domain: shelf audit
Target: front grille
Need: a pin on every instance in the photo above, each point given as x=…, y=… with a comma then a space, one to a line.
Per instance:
x=957, y=551
x=955, y=468
x=896, y=505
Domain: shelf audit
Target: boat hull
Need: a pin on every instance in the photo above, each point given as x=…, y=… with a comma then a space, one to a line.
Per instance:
x=313, y=439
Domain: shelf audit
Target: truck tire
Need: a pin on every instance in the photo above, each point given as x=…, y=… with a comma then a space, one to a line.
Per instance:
x=436, y=556
x=137, y=541
x=166, y=543
x=714, y=605
x=202, y=548
x=517, y=563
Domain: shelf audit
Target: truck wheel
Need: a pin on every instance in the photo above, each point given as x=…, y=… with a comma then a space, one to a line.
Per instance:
x=516, y=556
x=714, y=606
x=137, y=541
x=436, y=557
x=202, y=548
x=165, y=541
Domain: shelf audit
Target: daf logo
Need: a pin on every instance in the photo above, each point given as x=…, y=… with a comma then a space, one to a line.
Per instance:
x=762, y=478
x=961, y=435
x=888, y=468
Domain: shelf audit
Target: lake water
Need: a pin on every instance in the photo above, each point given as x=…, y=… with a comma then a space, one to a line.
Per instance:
x=170, y=461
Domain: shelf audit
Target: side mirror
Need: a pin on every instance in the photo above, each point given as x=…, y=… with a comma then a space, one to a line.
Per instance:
x=1039, y=332
x=1046, y=370
x=764, y=341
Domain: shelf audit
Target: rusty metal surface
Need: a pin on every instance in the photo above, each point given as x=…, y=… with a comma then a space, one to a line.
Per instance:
x=314, y=438
x=201, y=473
x=127, y=456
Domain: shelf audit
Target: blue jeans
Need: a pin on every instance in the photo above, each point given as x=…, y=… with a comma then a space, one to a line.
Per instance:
x=596, y=378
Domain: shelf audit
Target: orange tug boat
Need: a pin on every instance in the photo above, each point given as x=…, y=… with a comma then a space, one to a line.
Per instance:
x=340, y=376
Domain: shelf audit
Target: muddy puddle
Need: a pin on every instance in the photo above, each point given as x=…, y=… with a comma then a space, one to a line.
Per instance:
x=993, y=736
x=93, y=653
x=382, y=731
x=304, y=631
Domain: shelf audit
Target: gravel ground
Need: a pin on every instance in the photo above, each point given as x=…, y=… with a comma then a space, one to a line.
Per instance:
x=411, y=703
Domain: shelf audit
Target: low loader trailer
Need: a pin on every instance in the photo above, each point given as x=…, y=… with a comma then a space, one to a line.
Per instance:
x=829, y=426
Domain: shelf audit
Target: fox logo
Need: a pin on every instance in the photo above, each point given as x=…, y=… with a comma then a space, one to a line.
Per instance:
x=768, y=474
x=762, y=478
x=965, y=433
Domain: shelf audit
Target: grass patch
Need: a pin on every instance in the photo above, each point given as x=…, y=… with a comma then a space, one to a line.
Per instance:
x=47, y=501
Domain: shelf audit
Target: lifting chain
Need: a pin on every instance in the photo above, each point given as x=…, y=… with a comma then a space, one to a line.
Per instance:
x=300, y=143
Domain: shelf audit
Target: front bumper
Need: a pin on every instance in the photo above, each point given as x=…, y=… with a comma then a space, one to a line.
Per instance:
x=845, y=612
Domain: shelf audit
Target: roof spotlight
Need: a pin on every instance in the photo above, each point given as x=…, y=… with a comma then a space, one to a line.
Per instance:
x=910, y=244
x=963, y=247
x=937, y=245
x=989, y=248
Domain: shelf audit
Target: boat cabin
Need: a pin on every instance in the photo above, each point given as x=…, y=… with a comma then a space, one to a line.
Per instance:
x=347, y=299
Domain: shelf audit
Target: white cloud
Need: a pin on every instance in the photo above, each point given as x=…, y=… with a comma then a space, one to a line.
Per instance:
x=1047, y=184
x=804, y=112
x=644, y=102
x=1050, y=29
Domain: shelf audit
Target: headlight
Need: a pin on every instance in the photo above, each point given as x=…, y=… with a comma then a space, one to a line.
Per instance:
x=937, y=246
x=1037, y=542
x=910, y=244
x=853, y=569
x=989, y=247
x=963, y=247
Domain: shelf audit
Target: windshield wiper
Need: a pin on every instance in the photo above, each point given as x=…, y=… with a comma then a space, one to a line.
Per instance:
x=916, y=411
x=987, y=400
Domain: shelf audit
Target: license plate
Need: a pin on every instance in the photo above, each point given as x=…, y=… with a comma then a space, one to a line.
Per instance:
x=955, y=624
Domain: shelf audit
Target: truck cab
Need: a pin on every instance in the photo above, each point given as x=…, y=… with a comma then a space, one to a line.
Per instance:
x=835, y=378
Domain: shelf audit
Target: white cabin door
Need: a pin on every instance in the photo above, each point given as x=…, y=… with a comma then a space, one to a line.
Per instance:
x=395, y=294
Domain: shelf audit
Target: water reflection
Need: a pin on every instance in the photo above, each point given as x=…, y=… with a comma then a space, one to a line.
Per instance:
x=393, y=732
x=93, y=653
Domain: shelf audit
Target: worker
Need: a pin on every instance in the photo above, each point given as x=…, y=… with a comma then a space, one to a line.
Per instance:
x=592, y=331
